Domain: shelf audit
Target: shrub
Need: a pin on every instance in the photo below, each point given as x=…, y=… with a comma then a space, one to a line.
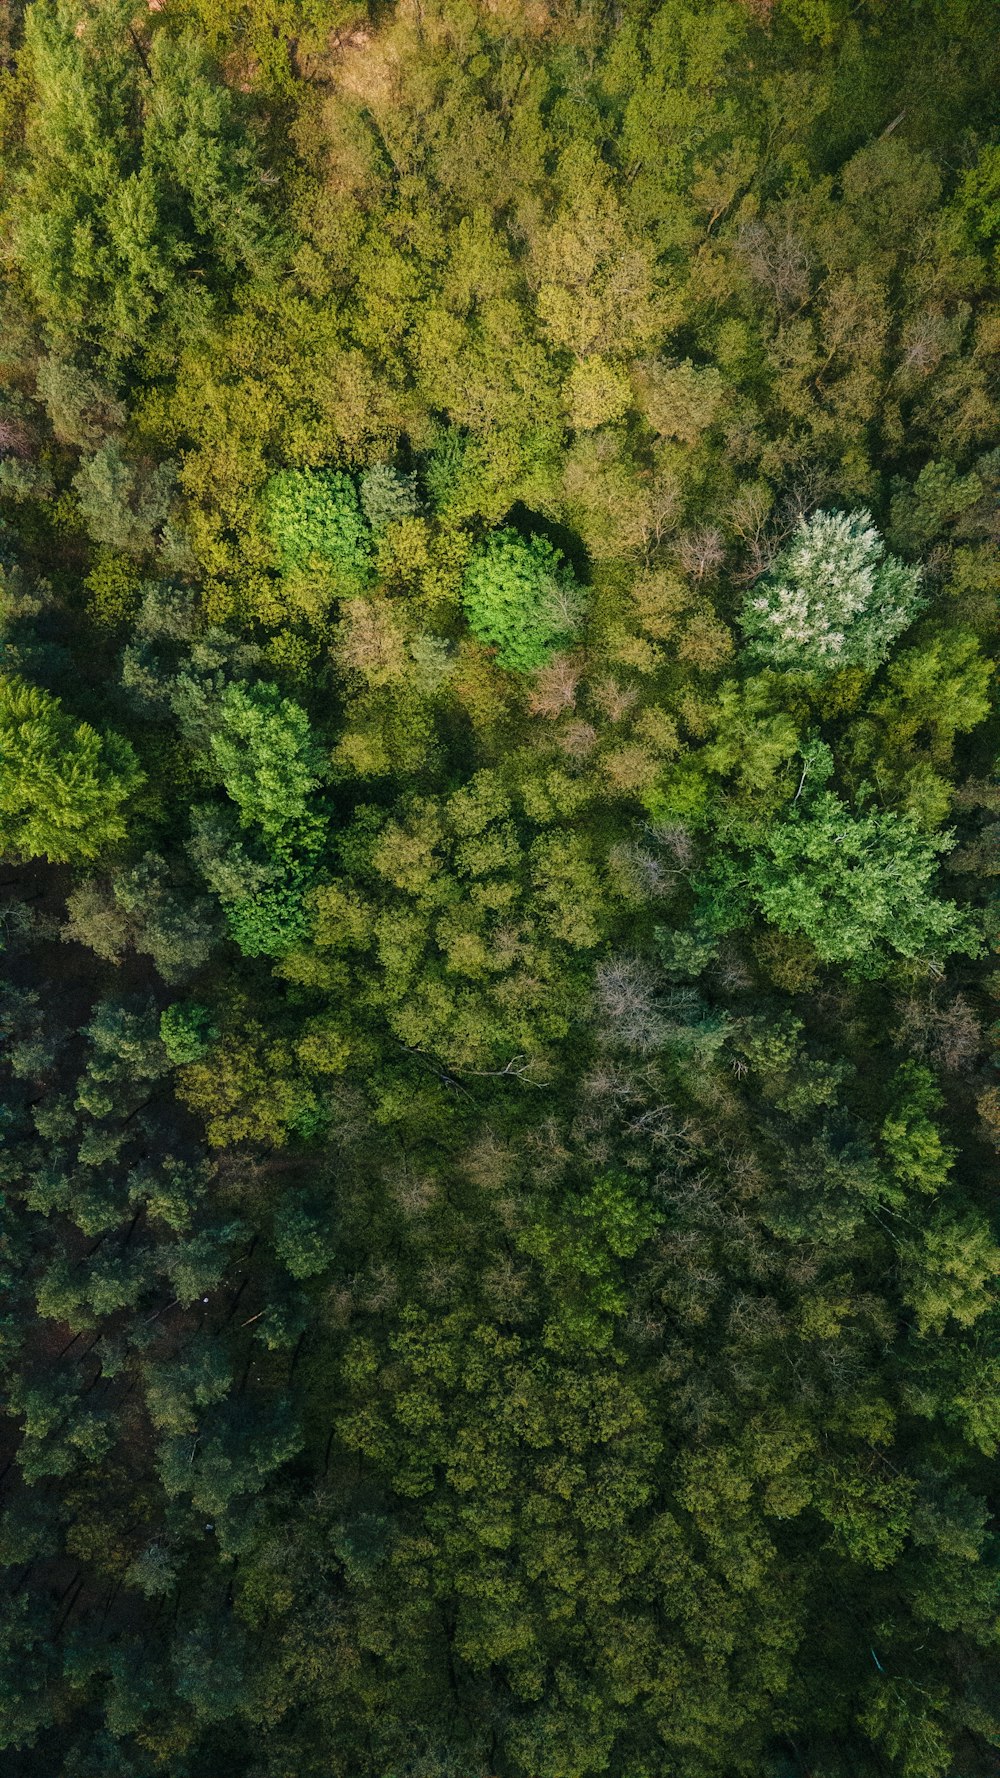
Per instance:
x=833, y=598
x=520, y=599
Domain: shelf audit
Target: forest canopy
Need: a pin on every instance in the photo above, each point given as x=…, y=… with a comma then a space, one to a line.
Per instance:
x=499, y=1097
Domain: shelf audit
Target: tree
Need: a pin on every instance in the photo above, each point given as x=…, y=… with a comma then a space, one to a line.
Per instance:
x=124, y=507
x=387, y=495
x=596, y=392
x=833, y=598
x=141, y=196
x=63, y=787
x=266, y=756
x=81, y=410
x=263, y=748
x=858, y=885
x=521, y=600
x=301, y=1240
x=273, y=920
x=186, y=1030
x=978, y=199
x=315, y=521
x=951, y=1271
x=178, y=929
x=679, y=401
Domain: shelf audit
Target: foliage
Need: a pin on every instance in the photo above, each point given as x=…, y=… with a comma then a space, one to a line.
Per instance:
x=858, y=885
x=266, y=757
x=63, y=787
x=315, y=520
x=185, y=1031
x=123, y=509
x=498, y=1133
x=387, y=495
x=520, y=599
x=136, y=165
x=832, y=598
x=271, y=920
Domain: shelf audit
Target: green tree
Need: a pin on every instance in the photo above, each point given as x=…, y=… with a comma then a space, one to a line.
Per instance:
x=860, y=886
x=387, y=495
x=266, y=756
x=63, y=787
x=140, y=197
x=951, y=1271
x=521, y=599
x=833, y=598
x=315, y=521
x=186, y=1031
x=124, y=507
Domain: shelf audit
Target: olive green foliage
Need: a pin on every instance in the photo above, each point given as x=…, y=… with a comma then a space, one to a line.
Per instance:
x=466, y=937
x=520, y=599
x=499, y=1254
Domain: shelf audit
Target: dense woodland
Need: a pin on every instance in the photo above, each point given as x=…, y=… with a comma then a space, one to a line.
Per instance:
x=500, y=1101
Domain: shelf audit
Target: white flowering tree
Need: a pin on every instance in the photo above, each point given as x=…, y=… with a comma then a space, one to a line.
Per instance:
x=833, y=598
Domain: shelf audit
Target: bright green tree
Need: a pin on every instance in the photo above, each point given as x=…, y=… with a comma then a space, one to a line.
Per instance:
x=266, y=756
x=859, y=885
x=315, y=520
x=63, y=787
x=521, y=599
x=186, y=1031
